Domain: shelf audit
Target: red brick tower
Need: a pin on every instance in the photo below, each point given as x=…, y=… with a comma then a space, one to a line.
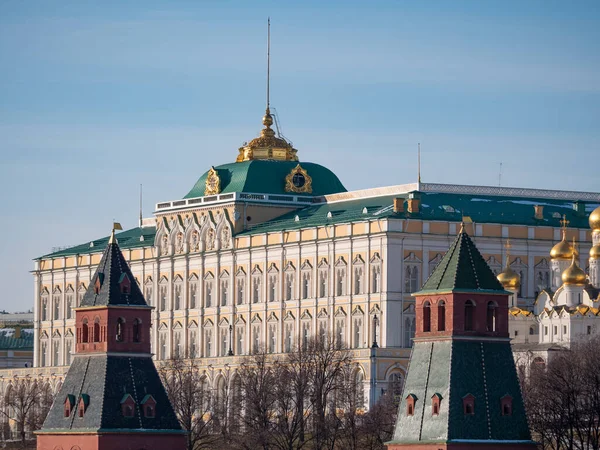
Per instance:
x=112, y=396
x=462, y=390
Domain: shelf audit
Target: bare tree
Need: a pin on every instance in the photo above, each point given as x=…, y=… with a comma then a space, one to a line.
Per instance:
x=190, y=394
x=329, y=360
x=26, y=403
x=259, y=401
x=563, y=398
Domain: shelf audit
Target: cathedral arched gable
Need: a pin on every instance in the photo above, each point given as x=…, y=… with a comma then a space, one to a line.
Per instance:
x=224, y=230
x=395, y=368
x=161, y=240
x=208, y=233
x=193, y=233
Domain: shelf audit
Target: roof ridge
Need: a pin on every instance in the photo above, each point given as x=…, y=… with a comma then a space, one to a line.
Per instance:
x=473, y=263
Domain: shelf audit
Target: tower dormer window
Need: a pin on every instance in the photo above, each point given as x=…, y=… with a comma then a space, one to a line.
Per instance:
x=98, y=283
x=128, y=406
x=83, y=404
x=436, y=400
x=149, y=406
x=411, y=400
x=69, y=404
x=506, y=405
x=469, y=404
x=125, y=284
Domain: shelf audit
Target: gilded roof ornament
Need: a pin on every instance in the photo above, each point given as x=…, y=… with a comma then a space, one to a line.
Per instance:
x=213, y=182
x=299, y=181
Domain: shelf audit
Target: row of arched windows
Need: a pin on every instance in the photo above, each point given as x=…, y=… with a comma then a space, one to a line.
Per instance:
x=468, y=314
x=93, y=332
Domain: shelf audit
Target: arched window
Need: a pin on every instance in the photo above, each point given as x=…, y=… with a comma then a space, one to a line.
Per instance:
x=136, y=330
x=441, y=315
x=84, y=331
x=97, y=330
x=426, y=317
x=120, y=324
x=491, y=317
x=469, y=315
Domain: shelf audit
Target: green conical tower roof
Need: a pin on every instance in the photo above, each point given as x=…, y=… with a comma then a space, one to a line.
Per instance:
x=462, y=269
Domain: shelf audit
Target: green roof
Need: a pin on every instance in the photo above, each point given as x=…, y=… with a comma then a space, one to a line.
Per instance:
x=434, y=206
x=25, y=342
x=268, y=177
x=462, y=269
x=329, y=213
x=455, y=369
x=133, y=238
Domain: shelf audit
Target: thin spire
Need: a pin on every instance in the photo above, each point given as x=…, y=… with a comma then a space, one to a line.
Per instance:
x=140, y=205
x=419, y=163
x=268, y=59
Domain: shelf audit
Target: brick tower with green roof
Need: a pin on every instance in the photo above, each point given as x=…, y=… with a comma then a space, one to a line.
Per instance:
x=461, y=389
x=112, y=396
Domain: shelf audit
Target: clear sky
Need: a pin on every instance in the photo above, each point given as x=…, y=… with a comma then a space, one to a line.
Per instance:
x=98, y=97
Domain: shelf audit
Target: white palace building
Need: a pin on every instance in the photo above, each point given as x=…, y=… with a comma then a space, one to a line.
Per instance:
x=269, y=250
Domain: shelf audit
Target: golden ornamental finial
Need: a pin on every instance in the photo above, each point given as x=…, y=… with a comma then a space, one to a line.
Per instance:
x=116, y=226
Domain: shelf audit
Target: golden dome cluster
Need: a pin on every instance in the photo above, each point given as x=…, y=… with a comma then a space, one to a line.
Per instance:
x=563, y=250
x=595, y=219
x=509, y=279
x=574, y=275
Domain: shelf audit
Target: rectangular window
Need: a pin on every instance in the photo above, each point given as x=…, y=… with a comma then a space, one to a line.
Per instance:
x=564, y=329
x=589, y=329
x=545, y=331
x=555, y=329
x=516, y=332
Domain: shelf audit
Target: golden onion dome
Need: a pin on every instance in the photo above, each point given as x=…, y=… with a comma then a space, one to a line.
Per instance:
x=574, y=275
x=595, y=219
x=563, y=250
x=595, y=252
x=509, y=278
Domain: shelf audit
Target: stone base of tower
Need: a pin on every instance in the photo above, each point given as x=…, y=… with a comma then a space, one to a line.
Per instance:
x=492, y=445
x=111, y=441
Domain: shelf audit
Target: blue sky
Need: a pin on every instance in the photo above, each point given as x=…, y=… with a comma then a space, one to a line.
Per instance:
x=98, y=97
